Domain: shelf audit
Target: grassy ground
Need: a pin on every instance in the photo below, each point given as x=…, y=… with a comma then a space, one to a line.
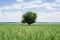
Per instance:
x=33, y=32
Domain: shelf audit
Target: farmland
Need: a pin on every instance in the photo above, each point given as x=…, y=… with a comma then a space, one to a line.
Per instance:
x=32, y=32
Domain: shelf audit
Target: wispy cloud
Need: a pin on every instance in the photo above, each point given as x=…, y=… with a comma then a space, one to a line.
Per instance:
x=48, y=17
x=19, y=0
x=33, y=4
x=57, y=0
x=10, y=16
x=46, y=10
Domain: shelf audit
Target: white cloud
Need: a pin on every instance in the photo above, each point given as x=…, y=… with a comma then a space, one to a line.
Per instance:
x=48, y=17
x=16, y=16
x=11, y=16
x=22, y=6
x=32, y=4
x=29, y=5
x=42, y=17
x=19, y=0
x=57, y=0
x=36, y=1
x=49, y=6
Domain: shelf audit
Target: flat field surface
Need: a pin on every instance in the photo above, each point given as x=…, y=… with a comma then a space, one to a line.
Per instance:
x=32, y=32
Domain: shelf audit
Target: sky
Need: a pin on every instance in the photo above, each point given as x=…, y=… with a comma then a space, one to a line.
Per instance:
x=46, y=10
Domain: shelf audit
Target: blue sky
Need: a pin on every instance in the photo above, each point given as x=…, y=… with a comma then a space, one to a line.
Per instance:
x=47, y=10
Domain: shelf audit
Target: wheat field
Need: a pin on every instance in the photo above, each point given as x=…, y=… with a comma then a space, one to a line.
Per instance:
x=32, y=32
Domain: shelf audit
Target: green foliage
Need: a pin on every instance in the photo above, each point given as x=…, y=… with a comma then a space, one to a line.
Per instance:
x=29, y=17
x=33, y=32
x=23, y=21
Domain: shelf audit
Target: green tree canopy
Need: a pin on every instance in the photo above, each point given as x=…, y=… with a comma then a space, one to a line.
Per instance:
x=29, y=17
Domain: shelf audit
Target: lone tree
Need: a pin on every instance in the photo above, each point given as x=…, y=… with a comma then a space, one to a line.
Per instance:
x=23, y=21
x=29, y=17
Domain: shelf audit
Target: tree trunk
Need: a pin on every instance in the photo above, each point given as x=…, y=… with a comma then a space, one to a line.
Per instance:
x=29, y=24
